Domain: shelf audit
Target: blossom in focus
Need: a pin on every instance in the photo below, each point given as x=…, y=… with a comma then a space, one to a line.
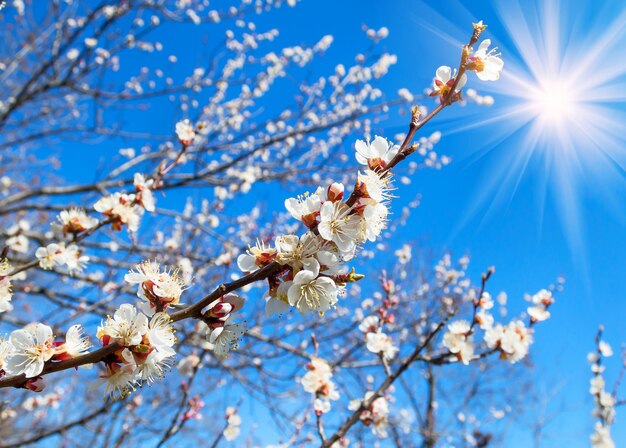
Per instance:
x=76, y=344
x=160, y=288
x=126, y=327
x=309, y=292
x=443, y=82
x=338, y=225
x=485, y=62
x=256, y=257
x=32, y=347
x=121, y=209
x=375, y=154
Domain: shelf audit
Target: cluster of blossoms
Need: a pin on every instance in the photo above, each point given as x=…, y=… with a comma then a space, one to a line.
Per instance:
x=376, y=416
x=318, y=382
x=222, y=332
x=512, y=341
x=604, y=401
x=58, y=254
x=6, y=291
x=313, y=278
x=157, y=288
x=27, y=350
x=485, y=62
x=233, y=422
x=127, y=209
x=376, y=340
x=145, y=349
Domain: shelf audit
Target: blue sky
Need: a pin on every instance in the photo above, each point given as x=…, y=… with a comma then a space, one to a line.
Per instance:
x=533, y=232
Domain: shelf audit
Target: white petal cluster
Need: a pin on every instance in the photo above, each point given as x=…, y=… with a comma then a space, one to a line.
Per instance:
x=6, y=289
x=223, y=334
x=144, y=195
x=159, y=288
x=485, y=62
x=30, y=348
x=376, y=416
x=185, y=132
x=74, y=221
x=375, y=154
x=512, y=340
x=459, y=340
x=233, y=420
x=58, y=255
x=121, y=209
x=445, y=78
x=379, y=342
x=538, y=312
x=318, y=382
x=146, y=349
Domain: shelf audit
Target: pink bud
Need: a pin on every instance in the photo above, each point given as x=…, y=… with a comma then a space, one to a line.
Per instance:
x=36, y=384
x=335, y=192
x=235, y=301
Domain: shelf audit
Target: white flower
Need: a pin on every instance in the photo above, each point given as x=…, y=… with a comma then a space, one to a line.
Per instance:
x=459, y=340
x=122, y=209
x=161, y=334
x=605, y=349
x=319, y=373
x=74, y=258
x=375, y=154
x=6, y=290
x=226, y=338
x=601, y=438
x=339, y=225
x=539, y=311
x=75, y=220
x=377, y=415
x=374, y=186
x=32, y=347
x=126, y=327
x=484, y=319
x=144, y=192
x=379, y=342
x=76, y=343
x=374, y=221
x=256, y=257
x=513, y=340
x=298, y=253
x=231, y=432
x=51, y=255
x=306, y=208
x=444, y=80
x=120, y=378
x=486, y=63
x=153, y=367
x=156, y=286
x=280, y=302
x=185, y=132
x=6, y=348
x=310, y=293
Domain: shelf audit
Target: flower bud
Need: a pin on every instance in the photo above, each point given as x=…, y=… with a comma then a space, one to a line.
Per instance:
x=36, y=384
x=335, y=192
